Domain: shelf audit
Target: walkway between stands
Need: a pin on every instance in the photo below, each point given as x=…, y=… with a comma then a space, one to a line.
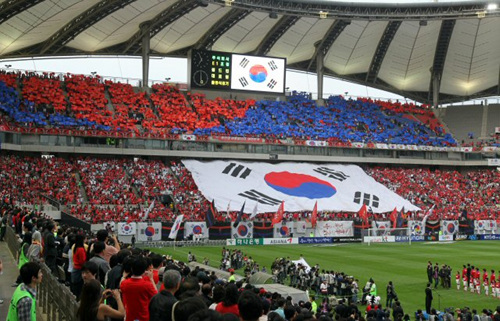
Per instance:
x=9, y=276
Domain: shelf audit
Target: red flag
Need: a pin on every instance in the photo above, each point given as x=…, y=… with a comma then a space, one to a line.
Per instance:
x=314, y=216
x=278, y=216
x=363, y=214
x=394, y=217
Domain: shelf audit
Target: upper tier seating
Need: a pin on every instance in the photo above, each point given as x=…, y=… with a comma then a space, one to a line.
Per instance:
x=346, y=120
x=341, y=122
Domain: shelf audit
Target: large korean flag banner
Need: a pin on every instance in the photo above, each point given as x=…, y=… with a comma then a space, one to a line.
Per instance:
x=449, y=227
x=334, y=229
x=300, y=185
x=258, y=73
x=197, y=229
x=126, y=228
x=148, y=232
x=244, y=230
x=283, y=229
x=416, y=227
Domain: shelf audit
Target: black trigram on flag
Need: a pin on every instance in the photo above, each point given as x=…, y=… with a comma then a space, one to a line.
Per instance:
x=272, y=65
x=272, y=83
x=244, y=62
x=243, y=81
x=367, y=199
x=260, y=197
x=237, y=170
x=338, y=175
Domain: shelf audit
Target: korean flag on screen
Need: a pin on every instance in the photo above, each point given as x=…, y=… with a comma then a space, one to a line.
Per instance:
x=258, y=73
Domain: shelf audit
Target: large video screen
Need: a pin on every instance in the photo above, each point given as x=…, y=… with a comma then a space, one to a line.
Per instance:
x=222, y=70
x=255, y=73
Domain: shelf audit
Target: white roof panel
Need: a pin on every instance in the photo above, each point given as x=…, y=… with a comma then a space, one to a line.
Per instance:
x=119, y=26
x=247, y=34
x=187, y=30
x=297, y=44
x=410, y=56
x=38, y=23
x=353, y=51
x=473, y=59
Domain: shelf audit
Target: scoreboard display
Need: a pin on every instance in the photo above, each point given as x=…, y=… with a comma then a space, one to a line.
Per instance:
x=222, y=70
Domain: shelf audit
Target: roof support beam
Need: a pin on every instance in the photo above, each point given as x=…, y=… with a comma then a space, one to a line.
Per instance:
x=443, y=43
x=83, y=21
x=333, y=33
x=230, y=19
x=389, y=33
x=8, y=9
x=274, y=34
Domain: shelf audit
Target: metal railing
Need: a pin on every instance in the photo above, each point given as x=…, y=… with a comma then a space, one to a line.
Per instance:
x=54, y=298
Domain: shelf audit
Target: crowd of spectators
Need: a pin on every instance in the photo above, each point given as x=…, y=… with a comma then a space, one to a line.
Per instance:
x=79, y=102
x=99, y=190
x=344, y=120
x=27, y=179
x=474, y=194
x=111, y=279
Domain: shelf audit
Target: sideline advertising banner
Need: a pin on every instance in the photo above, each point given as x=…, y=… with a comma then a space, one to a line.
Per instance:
x=282, y=241
x=315, y=240
x=239, y=242
x=445, y=238
x=379, y=239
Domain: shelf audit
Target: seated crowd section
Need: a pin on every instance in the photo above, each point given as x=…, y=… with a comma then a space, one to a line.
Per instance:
x=100, y=190
x=79, y=102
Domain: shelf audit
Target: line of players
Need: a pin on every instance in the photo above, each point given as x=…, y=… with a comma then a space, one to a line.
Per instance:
x=473, y=280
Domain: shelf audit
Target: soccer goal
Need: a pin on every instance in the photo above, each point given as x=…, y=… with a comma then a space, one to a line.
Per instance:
x=382, y=235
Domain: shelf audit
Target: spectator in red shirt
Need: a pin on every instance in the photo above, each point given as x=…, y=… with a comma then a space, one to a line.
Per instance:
x=138, y=290
x=79, y=258
x=230, y=302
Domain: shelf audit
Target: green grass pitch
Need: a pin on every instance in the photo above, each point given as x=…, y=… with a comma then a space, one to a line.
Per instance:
x=401, y=263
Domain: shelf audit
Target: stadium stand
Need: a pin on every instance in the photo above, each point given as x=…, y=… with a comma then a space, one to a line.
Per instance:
x=464, y=120
x=474, y=194
x=124, y=189
x=341, y=122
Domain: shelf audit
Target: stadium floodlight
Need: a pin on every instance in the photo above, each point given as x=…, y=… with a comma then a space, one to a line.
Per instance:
x=203, y=3
x=323, y=14
x=93, y=73
x=492, y=6
x=228, y=3
x=8, y=66
x=273, y=15
x=423, y=23
x=168, y=79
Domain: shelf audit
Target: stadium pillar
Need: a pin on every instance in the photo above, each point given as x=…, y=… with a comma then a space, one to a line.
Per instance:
x=436, y=86
x=319, y=73
x=145, y=26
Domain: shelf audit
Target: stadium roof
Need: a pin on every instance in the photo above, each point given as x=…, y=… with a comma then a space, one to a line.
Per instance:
x=394, y=47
